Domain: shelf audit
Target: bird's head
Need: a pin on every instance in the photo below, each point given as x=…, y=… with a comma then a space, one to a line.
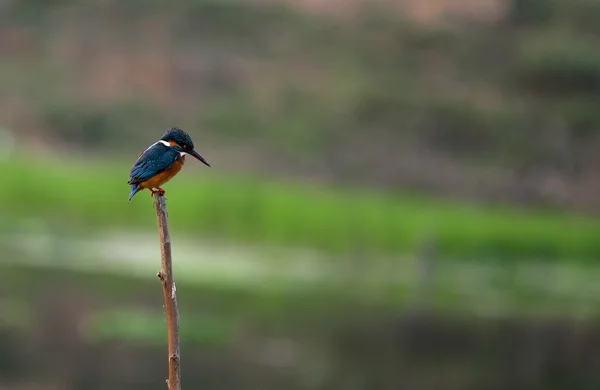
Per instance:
x=181, y=142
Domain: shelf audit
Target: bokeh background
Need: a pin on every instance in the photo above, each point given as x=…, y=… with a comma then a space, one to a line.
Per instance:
x=403, y=194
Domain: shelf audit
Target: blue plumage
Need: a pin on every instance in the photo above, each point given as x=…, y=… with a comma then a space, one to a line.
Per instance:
x=154, y=160
x=162, y=161
x=134, y=190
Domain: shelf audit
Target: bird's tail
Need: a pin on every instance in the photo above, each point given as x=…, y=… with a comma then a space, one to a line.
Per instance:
x=134, y=190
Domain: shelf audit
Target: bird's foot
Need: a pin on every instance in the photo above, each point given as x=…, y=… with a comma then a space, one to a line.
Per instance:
x=158, y=191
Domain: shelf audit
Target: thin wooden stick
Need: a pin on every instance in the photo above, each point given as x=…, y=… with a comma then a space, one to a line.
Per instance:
x=166, y=277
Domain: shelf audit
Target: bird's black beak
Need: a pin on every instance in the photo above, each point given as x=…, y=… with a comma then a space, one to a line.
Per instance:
x=199, y=157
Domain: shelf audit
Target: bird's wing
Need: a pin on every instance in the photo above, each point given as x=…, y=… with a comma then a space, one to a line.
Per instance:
x=151, y=162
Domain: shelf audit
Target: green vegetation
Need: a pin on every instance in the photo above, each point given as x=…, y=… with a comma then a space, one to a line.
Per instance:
x=93, y=194
x=527, y=82
x=133, y=309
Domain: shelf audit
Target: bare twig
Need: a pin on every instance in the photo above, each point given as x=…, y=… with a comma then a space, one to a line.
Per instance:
x=166, y=277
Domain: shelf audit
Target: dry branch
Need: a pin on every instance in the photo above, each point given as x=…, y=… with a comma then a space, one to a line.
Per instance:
x=166, y=277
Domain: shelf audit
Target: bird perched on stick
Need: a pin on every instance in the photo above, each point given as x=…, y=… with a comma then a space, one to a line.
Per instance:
x=161, y=161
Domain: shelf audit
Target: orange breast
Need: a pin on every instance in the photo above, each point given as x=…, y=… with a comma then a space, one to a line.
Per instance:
x=164, y=176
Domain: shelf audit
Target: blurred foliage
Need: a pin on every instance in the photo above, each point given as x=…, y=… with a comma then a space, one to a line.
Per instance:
x=578, y=15
x=122, y=119
x=257, y=211
x=350, y=95
x=148, y=327
x=560, y=65
x=86, y=323
x=316, y=86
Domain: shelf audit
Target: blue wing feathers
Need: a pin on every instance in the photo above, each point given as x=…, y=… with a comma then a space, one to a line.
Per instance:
x=151, y=162
x=134, y=190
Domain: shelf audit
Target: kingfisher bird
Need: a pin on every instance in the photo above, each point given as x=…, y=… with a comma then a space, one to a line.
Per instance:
x=161, y=161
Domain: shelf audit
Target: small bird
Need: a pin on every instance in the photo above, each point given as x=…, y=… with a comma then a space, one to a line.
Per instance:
x=161, y=161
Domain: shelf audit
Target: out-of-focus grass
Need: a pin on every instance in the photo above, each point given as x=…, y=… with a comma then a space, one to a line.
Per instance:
x=148, y=326
x=93, y=194
x=129, y=308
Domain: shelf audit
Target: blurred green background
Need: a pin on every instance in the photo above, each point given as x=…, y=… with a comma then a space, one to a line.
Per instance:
x=404, y=194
